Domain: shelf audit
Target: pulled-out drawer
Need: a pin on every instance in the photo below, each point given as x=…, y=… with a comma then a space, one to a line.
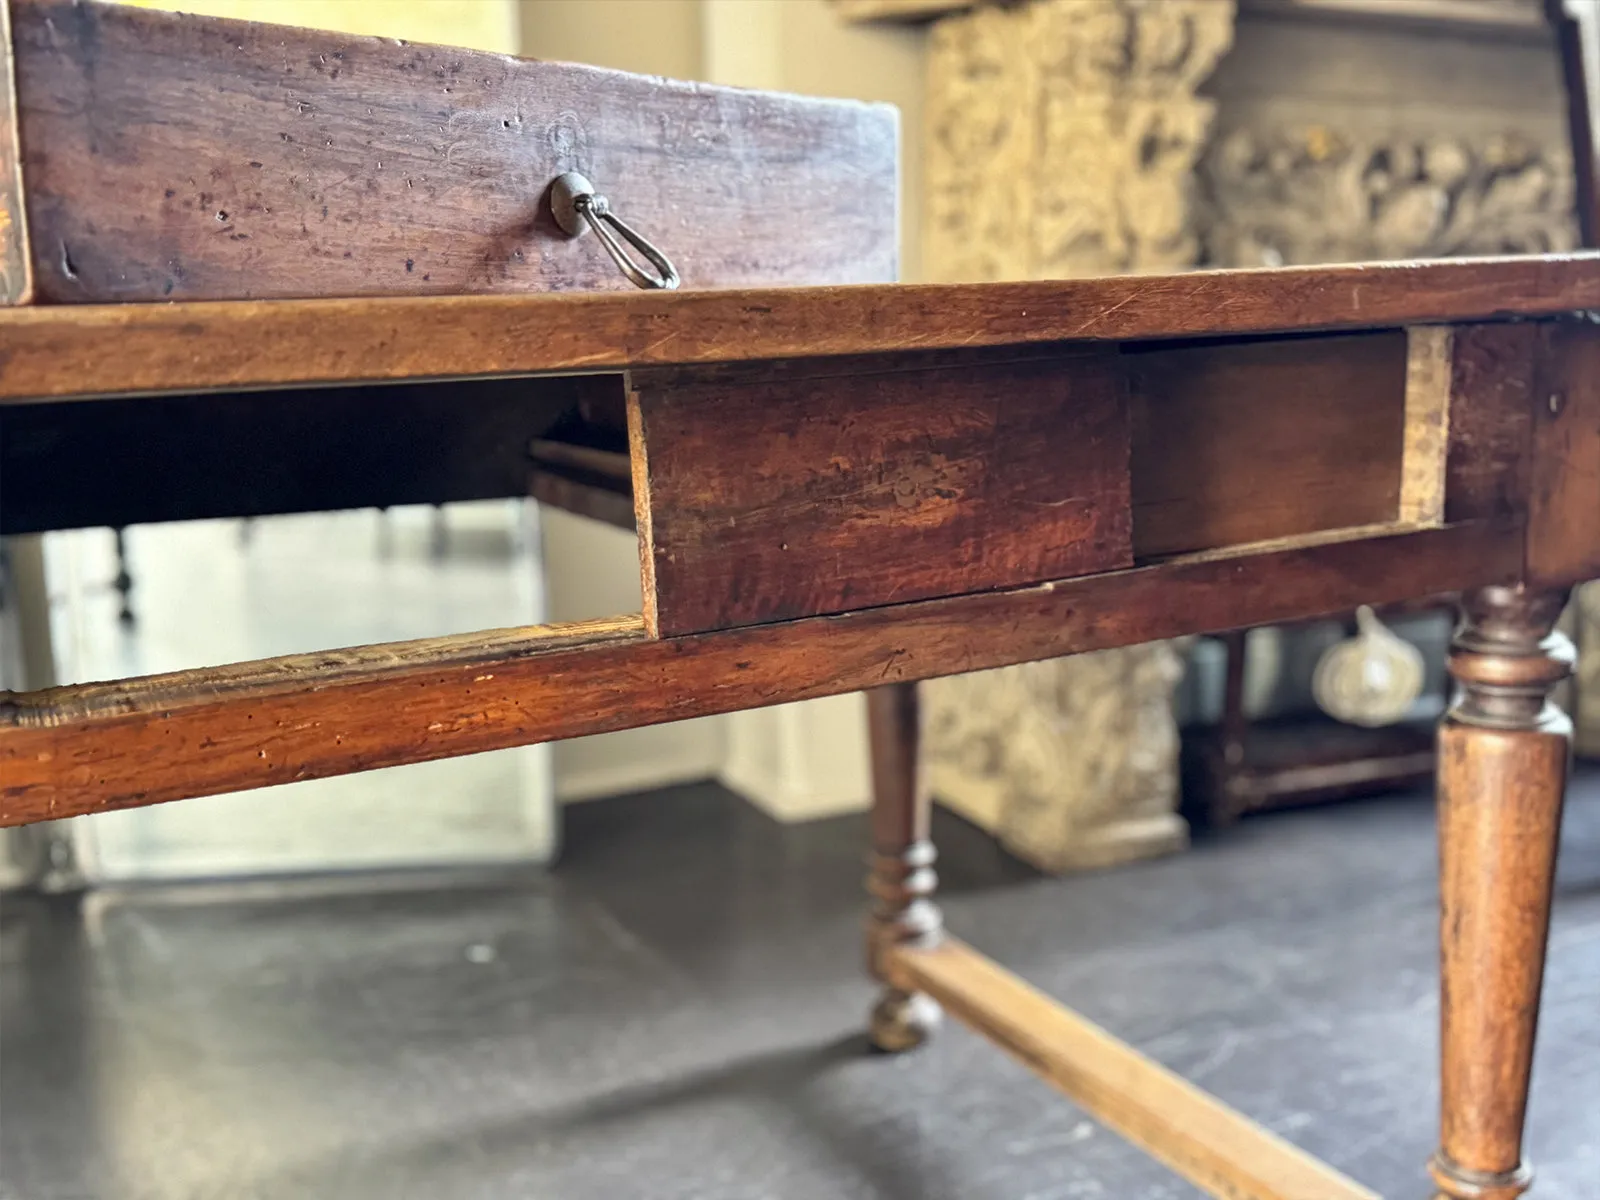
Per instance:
x=171, y=157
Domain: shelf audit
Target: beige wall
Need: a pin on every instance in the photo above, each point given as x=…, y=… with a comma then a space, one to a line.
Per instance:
x=476, y=24
x=652, y=37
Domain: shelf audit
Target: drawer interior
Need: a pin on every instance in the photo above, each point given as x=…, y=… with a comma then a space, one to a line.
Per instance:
x=751, y=508
x=132, y=460
x=1235, y=443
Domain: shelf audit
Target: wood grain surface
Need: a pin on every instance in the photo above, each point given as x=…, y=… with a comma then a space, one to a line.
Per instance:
x=594, y=496
x=1564, y=469
x=182, y=157
x=200, y=346
x=1504, y=751
x=1239, y=442
x=1492, y=397
x=97, y=746
x=795, y=496
x=1216, y=1148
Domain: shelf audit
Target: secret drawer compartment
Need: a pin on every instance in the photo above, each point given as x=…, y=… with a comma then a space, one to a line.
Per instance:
x=797, y=495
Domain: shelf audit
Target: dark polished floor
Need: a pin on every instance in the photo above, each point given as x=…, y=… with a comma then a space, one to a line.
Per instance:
x=675, y=1013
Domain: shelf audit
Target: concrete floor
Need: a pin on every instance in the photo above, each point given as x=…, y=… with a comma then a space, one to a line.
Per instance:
x=676, y=1013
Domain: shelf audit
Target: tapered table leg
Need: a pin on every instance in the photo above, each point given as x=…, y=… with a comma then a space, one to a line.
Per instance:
x=902, y=878
x=1503, y=751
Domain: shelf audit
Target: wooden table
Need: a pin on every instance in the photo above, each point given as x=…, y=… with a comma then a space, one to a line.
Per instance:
x=857, y=488
x=834, y=488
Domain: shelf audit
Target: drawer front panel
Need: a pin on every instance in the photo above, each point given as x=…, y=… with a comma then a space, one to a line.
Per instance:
x=180, y=157
x=769, y=500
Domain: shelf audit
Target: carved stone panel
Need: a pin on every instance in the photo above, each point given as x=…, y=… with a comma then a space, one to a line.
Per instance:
x=1385, y=140
x=1070, y=763
x=1062, y=136
x=1316, y=194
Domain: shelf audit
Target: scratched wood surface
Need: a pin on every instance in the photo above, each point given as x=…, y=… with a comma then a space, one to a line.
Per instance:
x=131, y=742
x=193, y=347
x=181, y=157
x=794, y=496
x=1430, y=357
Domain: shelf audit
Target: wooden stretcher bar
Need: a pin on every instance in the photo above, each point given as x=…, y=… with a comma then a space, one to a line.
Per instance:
x=1213, y=1146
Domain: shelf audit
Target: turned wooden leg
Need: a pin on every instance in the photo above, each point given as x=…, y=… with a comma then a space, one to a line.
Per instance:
x=902, y=879
x=1503, y=751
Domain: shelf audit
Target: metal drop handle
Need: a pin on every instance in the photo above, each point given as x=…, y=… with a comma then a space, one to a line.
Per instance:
x=576, y=205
